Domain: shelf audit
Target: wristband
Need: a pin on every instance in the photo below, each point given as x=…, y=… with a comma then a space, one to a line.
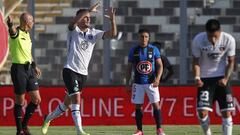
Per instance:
x=197, y=78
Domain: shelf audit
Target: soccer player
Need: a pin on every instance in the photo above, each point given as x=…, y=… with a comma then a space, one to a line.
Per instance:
x=167, y=67
x=213, y=62
x=24, y=72
x=144, y=59
x=80, y=44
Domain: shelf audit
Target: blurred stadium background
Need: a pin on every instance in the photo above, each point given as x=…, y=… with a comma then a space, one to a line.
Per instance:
x=162, y=17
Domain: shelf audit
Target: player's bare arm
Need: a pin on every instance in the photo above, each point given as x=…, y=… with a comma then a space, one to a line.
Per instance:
x=112, y=33
x=11, y=28
x=79, y=17
x=228, y=72
x=128, y=76
x=196, y=70
x=159, y=67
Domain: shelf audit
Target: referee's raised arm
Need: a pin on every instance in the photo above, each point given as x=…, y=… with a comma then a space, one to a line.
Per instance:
x=11, y=28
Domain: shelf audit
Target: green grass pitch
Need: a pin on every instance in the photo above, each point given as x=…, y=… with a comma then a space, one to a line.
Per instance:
x=122, y=130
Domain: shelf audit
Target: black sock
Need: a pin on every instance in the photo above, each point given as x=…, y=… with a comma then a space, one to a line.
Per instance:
x=157, y=117
x=18, y=116
x=29, y=111
x=138, y=118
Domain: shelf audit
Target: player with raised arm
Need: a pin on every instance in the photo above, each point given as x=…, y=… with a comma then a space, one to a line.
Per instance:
x=80, y=44
x=24, y=72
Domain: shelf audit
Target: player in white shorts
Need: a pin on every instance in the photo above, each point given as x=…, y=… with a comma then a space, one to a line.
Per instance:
x=213, y=62
x=145, y=60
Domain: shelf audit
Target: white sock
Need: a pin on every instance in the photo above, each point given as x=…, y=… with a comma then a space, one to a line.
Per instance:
x=61, y=108
x=77, y=117
x=204, y=122
x=227, y=125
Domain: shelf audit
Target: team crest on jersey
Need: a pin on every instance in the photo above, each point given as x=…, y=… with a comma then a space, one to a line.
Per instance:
x=144, y=67
x=84, y=45
x=150, y=55
x=90, y=37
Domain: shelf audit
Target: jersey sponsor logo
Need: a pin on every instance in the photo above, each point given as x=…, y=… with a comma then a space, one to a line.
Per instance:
x=84, y=45
x=214, y=55
x=144, y=67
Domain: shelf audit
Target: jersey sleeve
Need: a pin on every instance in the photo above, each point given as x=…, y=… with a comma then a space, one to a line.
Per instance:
x=196, y=51
x=130, y=55
x=156, y=53
x=232, y=47
x=99, y=34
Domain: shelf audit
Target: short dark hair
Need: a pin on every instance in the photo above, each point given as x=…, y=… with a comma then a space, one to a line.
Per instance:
x=81, y=11
x=212, y=25
x=143, y=30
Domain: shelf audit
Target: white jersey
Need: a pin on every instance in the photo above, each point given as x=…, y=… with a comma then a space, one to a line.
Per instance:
x=213, y=59
x=80, y=46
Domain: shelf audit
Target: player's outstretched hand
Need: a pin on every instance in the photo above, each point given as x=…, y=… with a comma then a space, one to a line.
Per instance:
x=111, y=13
x=94, y=8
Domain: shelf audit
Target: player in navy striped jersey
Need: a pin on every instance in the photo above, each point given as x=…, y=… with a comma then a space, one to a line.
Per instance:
x=144, y=59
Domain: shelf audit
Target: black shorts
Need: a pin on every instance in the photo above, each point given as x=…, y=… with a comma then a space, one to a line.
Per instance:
x=212, y=91
x=73, y=81
x=23, y=78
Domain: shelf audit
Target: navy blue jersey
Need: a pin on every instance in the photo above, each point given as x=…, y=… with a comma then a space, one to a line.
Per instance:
x=144, y=60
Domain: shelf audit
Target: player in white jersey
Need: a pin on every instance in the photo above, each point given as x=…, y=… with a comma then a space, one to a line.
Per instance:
x=213, y=62
x=80, y=44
